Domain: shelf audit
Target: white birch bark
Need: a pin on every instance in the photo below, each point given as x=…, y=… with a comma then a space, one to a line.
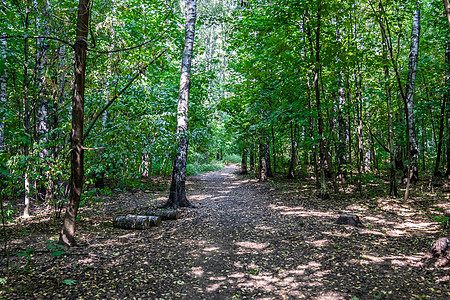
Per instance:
x=410, y=86
x=177, y=196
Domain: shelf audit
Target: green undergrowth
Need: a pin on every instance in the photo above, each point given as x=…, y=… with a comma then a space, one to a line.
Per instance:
x=197, y=168
x=232, y=159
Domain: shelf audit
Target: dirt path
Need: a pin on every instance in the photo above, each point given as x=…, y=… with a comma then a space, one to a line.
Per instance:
x=249, y=240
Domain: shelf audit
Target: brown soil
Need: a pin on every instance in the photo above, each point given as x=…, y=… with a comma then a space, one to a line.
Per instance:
x=268, y=240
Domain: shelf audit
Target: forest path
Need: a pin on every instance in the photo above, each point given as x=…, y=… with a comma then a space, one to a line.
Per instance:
x=245, y=240
x=268, y=241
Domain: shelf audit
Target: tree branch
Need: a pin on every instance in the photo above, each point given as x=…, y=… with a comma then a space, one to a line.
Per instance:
x=36, y=37
x=139, y=73
x=375, y=137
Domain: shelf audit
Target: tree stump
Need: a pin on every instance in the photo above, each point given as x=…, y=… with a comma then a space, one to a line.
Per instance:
x=136, y=222
x=441, y=251
x=169, y=214
x=347, y=219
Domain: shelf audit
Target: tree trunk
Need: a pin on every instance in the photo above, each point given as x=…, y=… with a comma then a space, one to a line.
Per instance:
x=3, y=91
x=177, y=196
x=387, y=87
x=244, y=162
x=267, y=154
x=262, y=159
x=443, y=110
x=293, y=162
x=252, y=158
x=26, y=122
x=273, y=152
x=67, y=235
x=413, y=172
x=323, y=193
x=342, y=137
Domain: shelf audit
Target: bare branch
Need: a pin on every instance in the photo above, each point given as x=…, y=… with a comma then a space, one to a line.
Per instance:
x=139, y=73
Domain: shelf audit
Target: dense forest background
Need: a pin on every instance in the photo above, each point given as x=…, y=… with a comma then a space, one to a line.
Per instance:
x=348, y=92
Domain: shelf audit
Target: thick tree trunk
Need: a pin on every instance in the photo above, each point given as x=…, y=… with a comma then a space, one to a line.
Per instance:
x=244, y=162
x=67, y=235
x=413, y=156
x=177, y=196
x=293, y=162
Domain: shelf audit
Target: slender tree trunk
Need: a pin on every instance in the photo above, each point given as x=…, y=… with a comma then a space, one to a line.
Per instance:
x=177, y=196
x=267, y=155
x=26, y=122
x=244, y=162
x=323, y=193
x=447, y=80
x=341, y=132
x=360, y=154
x=252, y=158
x=447, y=173
x=273, y=151
x=413, y=148
x=3, y=91
x=443, y=110
x=387, y=87
x=67, y=235
x=262, y=159
x=294, y=153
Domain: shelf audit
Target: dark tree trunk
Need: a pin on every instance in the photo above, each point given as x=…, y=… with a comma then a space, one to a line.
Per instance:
x=26, y=121
x=273, y=152
x=67, y=235
x=177, y=196
x=293, y=162
x=244, y=162
x=252, y=158
x=443, y=110
x=262, y=160
x=267, y=155
x=323, y=193
x=3, y=90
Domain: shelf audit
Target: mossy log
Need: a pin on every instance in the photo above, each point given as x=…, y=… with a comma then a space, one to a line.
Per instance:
x=136, y=222
x=169, y=214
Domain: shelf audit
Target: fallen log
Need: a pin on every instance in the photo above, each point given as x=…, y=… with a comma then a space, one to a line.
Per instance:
x=136, y=222
x=347, y=219
x=169, y=214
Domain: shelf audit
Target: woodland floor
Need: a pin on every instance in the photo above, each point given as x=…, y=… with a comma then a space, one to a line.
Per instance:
x=246, y=239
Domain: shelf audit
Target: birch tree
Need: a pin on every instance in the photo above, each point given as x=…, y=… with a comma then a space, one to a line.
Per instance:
x=413, y=149
x=177, y=194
